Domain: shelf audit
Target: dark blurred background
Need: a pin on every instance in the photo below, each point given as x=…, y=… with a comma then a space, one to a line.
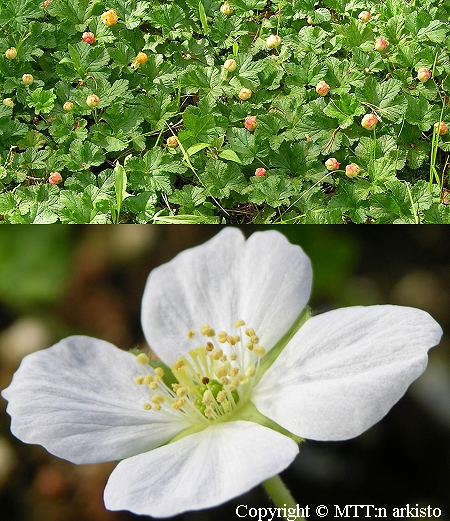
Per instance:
x=61, y=280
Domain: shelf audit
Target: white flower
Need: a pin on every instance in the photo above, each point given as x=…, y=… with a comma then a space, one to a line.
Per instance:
x=242, y=399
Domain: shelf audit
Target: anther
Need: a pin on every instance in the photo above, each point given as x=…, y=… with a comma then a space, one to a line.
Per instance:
x=222, y=337
x=259, y=350
x=206, y=330
x=250, y=332
x=239, y=323
x=147, y=406
x=205, y=380
x=157, y=399
x=254, y=339
x=190, y=333
x=142, y=358
x=139, y=380
x=148, y=378
x=209, y=346
x=159, y=371
x=217, y=354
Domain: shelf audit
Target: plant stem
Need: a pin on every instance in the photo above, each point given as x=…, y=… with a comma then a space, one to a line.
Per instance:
x=280, y=495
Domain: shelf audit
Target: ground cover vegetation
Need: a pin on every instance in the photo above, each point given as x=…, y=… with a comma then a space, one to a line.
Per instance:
x=224, y=112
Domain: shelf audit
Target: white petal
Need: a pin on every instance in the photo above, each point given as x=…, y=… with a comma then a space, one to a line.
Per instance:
x=345, y=369
x=199, y=471
x=80, y=401
x=265, y=281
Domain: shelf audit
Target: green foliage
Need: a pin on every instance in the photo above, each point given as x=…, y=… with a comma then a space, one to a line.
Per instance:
x=117, y=165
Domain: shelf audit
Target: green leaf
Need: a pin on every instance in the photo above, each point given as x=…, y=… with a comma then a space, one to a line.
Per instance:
x=351, y=198
x=17, y=15
x=202, y=14
x=188, y=198
x=222, y=178
x=229, y=155
x=344, y=109
x=42, y=100
x=83, y=155
x=274, y=190
x=120, y=183
x=36, y=204
x=309, y=72
x=247, y=6
x=244, y=145
x=196, y=148
x=421, y=113
x=143, y=205
x=154, y=172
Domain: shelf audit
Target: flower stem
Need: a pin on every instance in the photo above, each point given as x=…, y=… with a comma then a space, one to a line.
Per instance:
x=280, y=495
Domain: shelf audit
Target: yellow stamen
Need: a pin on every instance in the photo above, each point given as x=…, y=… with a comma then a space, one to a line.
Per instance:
x=142, y=358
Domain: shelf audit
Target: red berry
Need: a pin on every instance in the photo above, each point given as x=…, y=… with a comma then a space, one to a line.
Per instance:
x=369, y=121
x=11, y=53
x=260, y=172
x=245, y=94
x=55, y=178
x=352, y=170
x=250, y=123
x=380, y=44
x=273, y=41
x=423, y=74
x=322, y=88
x=172, y=142
x=364, y=16
x=442, y=128
x=332, y=164
x=92, y=100
x=47, y=3
x=88, y=37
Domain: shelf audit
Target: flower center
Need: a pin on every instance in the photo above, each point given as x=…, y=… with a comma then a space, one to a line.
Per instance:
x=211, y=381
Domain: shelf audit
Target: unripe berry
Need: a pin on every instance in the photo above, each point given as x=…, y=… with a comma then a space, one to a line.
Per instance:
x=250, y=123
x=245, y=94
x=332, y=164
x=442, y=128
x=364, y=16
x=380, y=44
x=423, y=74
x=322, y=88
x=226, y=9
x=8, y=102
x=141, y=58
x=260, y=172
x=47, y=3
x=92, y=100
x=109, y=17
x=369, y=121
x=11, y=53
x=88, y=37
x=273, y=41
x=68, y=106
x=172, y=142
x=309, y=19
x=27, y=79
x=230, y=65
x=352, y=170
x=55, y=178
